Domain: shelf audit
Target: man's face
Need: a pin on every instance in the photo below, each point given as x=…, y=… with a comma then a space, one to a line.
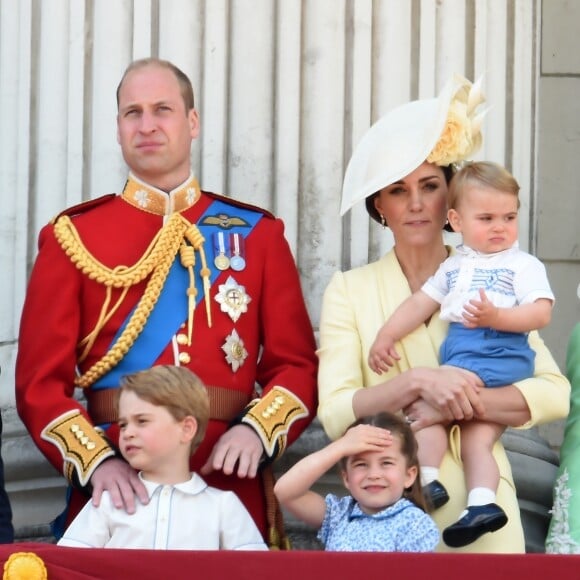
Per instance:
x=154, y=129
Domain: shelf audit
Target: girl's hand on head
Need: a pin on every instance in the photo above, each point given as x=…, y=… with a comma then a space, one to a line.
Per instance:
x=362, y=438
x=480, y=313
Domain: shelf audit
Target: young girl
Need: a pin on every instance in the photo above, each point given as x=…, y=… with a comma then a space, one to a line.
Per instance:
x=385, y=511
x=492, y=294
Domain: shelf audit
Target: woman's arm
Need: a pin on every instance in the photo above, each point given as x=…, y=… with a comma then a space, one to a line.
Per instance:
x=455, y=393
x=547, y=393
x=346, y=386
x=506, y=406
x=539, y=399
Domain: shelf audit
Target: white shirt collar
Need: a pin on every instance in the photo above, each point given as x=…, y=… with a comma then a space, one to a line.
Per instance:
x=192, y=486
x=465, y=250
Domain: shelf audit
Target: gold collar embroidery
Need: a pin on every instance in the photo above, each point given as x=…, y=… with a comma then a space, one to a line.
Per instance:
x=148, y=198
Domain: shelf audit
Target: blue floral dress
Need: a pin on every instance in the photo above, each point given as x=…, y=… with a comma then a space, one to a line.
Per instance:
x=401, y=527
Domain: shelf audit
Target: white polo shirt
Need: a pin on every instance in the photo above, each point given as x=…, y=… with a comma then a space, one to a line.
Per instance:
x=186, y=516
x=509, y=278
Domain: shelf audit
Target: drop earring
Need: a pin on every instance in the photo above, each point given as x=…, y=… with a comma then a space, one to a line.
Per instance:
x=383, y=221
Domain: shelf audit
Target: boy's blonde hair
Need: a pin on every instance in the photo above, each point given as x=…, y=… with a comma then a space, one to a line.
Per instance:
x=484, y=173
x=177, y=389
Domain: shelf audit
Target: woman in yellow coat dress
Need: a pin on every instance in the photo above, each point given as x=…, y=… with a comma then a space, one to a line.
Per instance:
x=401, y=168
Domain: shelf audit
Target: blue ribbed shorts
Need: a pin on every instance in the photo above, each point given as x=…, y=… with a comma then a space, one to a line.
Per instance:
x=498, y=358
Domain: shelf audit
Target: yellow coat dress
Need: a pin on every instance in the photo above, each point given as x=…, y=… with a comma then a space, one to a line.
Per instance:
x=356, y=303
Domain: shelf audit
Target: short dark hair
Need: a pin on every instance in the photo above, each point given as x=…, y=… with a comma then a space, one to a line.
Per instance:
x=184, y=83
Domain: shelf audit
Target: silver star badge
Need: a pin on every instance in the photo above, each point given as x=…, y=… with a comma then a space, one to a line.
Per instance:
x=233, y=298
x=235, y=351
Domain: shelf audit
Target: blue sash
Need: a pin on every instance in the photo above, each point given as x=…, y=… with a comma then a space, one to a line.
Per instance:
x=170, y=311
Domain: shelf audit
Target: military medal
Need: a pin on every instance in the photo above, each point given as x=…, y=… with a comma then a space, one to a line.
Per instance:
x=221, y=261
x=232, y=299
x=237, y=261
x=235, y=351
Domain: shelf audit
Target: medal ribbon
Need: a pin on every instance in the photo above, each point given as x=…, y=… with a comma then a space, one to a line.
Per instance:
x=170, y=310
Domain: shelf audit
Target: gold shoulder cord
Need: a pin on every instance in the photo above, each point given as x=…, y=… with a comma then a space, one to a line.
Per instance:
x=156, y=261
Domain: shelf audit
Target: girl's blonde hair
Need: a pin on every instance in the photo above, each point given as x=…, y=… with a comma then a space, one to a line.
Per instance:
x=483, y=173
x=177, y=389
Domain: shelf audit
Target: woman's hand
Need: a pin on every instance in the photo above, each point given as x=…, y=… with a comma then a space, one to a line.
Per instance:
x=452, y=392
x=421, y=414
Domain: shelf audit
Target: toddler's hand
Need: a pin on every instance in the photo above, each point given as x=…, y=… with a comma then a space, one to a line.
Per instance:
x=480, y=313
x=382, y=354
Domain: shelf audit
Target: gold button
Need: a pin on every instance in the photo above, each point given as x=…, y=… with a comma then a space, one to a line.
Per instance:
x=184, y=358
x=182, y=339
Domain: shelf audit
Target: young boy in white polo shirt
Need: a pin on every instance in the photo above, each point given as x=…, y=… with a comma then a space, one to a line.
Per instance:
x=163, y=415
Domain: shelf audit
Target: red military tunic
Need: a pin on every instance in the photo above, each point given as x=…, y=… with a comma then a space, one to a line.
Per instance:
x=263, y=337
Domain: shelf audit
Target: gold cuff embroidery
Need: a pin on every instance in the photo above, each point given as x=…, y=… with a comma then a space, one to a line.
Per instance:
x=82, y=447
x=272, y=416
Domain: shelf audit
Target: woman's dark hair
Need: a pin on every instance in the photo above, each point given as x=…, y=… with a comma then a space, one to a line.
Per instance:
x=448, y=172
x=397, y=426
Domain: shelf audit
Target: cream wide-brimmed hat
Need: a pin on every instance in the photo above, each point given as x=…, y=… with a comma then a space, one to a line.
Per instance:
x=443, y=130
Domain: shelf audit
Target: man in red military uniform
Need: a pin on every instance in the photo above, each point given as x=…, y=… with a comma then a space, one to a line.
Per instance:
x=165, y=273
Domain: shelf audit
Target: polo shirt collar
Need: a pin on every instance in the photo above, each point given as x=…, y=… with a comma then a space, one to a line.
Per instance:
x=468, y=251
x=193, y=486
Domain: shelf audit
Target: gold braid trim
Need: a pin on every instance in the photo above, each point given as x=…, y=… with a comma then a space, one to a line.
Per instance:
x=121, y=276
x=156, y=261
x=271, y=418
x=194, y=237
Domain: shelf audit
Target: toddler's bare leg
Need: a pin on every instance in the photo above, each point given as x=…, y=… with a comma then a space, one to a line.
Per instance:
x=477, y=441
x=432, y=443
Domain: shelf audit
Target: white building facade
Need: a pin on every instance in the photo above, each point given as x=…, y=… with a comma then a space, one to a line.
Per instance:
x=284, y=89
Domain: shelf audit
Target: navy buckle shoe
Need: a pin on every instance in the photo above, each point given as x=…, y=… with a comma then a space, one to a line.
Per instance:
x=435, y=495
x=479, y=520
